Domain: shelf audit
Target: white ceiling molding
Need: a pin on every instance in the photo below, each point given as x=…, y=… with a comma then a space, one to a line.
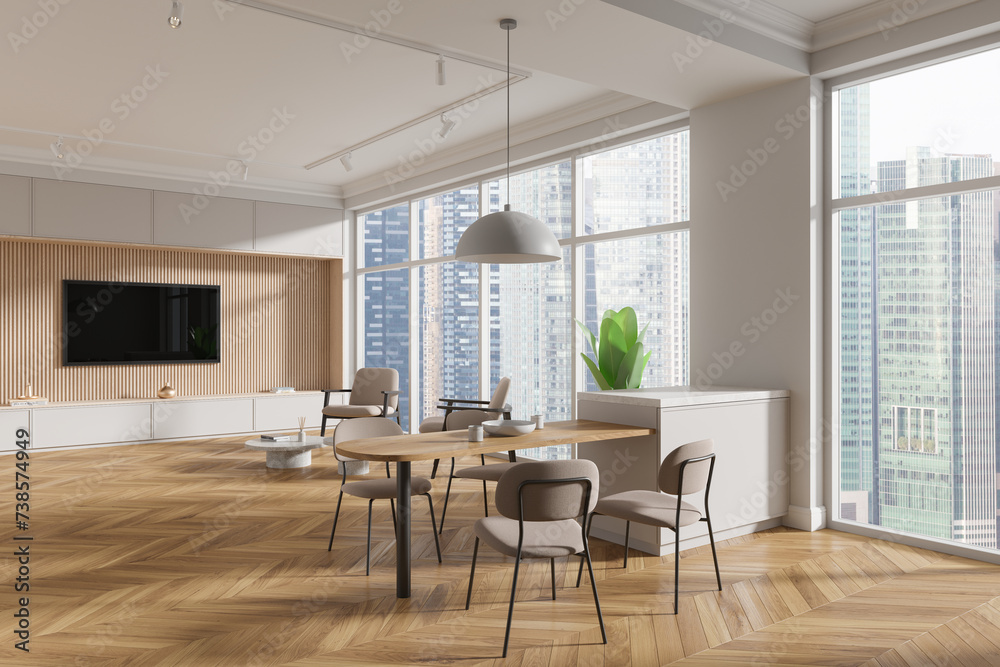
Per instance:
x=763, y=18
x=876, y=17
x=679, y=14
x=20, y=161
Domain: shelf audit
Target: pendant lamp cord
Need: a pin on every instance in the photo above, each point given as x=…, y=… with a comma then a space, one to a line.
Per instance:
x=508, y=117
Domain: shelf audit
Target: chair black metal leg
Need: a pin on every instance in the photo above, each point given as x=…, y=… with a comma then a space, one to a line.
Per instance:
x=392, y=510
x=486, y=501
x=677, y=567
x=593, y=585
x=510, y=610
x=472, y=573
x=437, y=545
x=552, y=563
x=434, y=470
x=628, y=524
x=711, y=538
x=335, y=517
x=368, y=547
x=447, y=494
x=322, y=428
x=579, y=575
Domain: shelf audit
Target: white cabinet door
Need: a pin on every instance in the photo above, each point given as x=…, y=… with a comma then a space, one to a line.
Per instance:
x=90, y=425
x=15, y=205
x=303, y=230
x=10, y=422
x=66, y=210
x=282, y=411
x=194, y=419
x=202, y=222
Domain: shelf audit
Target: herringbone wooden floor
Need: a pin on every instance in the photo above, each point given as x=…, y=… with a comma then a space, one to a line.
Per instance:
x=195, y=554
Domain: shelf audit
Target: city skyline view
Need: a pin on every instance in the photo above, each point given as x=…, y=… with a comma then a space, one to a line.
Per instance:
x=919, y=306
x=527, y=311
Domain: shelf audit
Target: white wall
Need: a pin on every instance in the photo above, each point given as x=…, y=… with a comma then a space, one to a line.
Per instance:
x=755, y=262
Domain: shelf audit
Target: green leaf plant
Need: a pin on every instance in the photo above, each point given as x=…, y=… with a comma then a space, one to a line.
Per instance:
x=618, y=350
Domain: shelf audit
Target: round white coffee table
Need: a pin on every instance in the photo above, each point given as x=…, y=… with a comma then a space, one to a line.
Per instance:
x=287, y=453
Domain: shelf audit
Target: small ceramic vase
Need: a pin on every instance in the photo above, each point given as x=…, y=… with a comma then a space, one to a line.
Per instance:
x=166, y=391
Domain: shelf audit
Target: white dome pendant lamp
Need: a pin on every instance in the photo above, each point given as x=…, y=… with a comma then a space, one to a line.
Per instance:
x=508, y=237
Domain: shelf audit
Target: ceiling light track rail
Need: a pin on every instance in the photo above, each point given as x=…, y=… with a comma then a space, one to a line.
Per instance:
x=416, y=121
x=380, y=36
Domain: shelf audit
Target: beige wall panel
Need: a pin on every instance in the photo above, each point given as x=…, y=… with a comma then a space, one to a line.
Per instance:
x=66, y=210
x=276, y=324
x=15, y=205
x=220, y=223
x=305, y=230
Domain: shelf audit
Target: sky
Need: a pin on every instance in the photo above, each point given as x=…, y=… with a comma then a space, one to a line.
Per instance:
x=953, y=107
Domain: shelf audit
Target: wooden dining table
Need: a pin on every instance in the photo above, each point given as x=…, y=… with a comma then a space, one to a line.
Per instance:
x=404, y=450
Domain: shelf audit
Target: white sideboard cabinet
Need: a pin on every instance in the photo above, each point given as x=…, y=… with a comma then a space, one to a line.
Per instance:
x=131, y=421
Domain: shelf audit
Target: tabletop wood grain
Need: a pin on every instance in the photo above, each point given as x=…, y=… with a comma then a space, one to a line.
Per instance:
x=447, y=444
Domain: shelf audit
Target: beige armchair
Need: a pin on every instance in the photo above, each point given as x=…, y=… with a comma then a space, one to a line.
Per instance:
x=375, y=393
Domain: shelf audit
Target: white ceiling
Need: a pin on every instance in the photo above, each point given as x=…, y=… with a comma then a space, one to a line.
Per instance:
x=229, y=67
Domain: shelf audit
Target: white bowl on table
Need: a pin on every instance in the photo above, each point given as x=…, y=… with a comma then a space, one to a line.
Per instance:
x=508, y=426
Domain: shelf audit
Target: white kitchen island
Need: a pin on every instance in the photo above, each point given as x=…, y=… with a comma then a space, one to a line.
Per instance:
x=750, y=429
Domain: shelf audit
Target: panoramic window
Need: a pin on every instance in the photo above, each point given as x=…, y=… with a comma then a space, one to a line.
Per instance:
x=621, y=247
x=918, y=303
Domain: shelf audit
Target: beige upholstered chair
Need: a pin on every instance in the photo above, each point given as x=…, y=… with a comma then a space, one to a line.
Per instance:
x=375, y=489
x=686, y=470
x=496, y=407
x=492, y=472
x=375, y=393
x=539, y=503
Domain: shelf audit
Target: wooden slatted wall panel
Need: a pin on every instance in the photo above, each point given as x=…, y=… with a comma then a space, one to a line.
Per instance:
x=275, y=326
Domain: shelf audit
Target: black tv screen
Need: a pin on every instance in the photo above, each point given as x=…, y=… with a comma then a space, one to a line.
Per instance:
x=139, y=323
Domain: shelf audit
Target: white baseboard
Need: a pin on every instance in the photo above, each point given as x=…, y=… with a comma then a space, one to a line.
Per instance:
x=686, y=543
x=806, y=518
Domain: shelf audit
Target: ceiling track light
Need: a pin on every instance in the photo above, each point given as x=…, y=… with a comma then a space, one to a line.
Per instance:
x=246, y=169
x=57, y=148
x=176, y=14
x=447, y=125
x=346, y=161
x=442, y=77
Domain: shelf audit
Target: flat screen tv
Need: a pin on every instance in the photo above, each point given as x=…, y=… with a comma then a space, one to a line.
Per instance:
x=111, y=323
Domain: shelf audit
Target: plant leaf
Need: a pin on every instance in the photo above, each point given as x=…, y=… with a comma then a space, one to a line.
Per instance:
x=590, y=336
x=598, y=378
x=637, y=377
x=642, y=334
x=629, y=324
x=628, y=373
x=616, y=339
x=604, y=360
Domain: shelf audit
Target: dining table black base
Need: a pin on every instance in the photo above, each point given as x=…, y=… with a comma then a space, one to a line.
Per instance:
x=403, y=515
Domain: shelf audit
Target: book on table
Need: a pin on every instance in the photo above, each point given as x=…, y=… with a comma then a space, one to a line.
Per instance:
x=276, y=438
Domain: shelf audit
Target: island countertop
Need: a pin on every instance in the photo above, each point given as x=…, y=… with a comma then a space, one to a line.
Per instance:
x=681, y=396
